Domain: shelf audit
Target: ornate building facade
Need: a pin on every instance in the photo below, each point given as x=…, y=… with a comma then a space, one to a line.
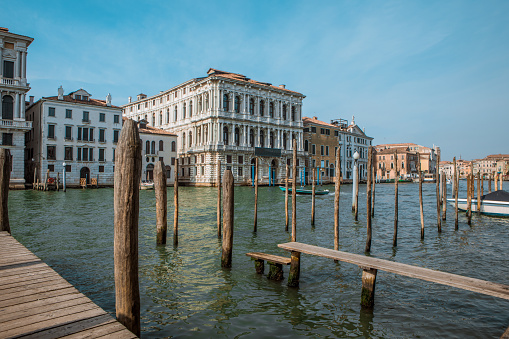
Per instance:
x=13, y=89
x=231, y=118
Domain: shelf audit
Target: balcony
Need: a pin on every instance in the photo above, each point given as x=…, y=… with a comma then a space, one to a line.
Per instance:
x=13, y=82
x=16, y=124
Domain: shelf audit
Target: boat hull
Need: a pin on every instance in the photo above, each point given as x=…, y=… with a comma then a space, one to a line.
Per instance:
x=303, y=191
x=488, y=207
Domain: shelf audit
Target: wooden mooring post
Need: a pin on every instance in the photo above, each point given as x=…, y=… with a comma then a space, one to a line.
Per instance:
x=501, y=181
x=58, y=181
x=294, y=191
x=479, y=193
x=437, y=181
x=356, y=210
x=368, y=287
x=337, y=188
x=421, y=207
x=396, y=183
x=161, y=202
x=228, y=217
x=469, y=199
x=444, y=197
x=489, y=183
x=373, y=181
x=313, y=198
x=286, y=199
x=256, y=197
x=495, y=181
x=5, y=175
x=457, y=187
x=218, y=183
x=368, y=199
x=126, y=206
x=176, y=203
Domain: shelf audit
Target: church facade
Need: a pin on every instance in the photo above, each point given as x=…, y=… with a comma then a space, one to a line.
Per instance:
x=229, y=118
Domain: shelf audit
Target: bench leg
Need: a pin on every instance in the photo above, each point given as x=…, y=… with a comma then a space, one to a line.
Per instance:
x=275, y=272
x=259, y=266
x=293, y=276
x=368, y=287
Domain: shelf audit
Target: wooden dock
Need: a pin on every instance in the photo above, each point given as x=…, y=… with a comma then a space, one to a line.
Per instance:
x=36, y=302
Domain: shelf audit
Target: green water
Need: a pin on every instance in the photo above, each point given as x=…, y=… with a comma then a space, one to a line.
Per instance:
x=186, y=293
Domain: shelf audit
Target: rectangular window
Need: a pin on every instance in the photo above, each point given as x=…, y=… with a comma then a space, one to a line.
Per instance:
x=79, y=133
x=321, y=150
x=326, y=150
x=313, y=129
x=85, y=134
x=68, y=168
x=91, y=154
x=101, y=154
x=51, y=168
x=91, y=135
x=101, y=169
x=79, y=154
x=8, y=69
x=84, y=155
x=327, y=131
x=116, y=118
x=313, y=149
x=241, y=159
x=86, y=116
x=102, y=136
x=102, y=117
x=51, y=111
x=68, y=113
x=229, y=159
x=239, y=171
x=336, y=133
x=68, y=153
x=68, y=132
x=113, y=159
x=51, y=131
x=172, y=161
x=7, y=139
x=51, y=152
x=322, y=130
x=115, y=136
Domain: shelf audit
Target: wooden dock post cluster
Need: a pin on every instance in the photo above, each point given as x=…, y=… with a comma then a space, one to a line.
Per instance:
x=5, y=175
x=126, y=206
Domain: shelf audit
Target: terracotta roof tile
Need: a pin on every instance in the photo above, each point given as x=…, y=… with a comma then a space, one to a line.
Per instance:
x=90, y=101
x=307, y=120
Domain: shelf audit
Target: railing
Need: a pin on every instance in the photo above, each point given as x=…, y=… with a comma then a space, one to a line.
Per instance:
x=9, y=81
x=15, y=124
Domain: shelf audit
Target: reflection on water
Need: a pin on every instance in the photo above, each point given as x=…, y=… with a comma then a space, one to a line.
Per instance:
x=186, y=293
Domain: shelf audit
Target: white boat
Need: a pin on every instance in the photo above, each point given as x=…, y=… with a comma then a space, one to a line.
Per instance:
x=147, y=186
x=496, y=204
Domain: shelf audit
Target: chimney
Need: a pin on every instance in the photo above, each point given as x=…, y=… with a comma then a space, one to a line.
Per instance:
x=130, y=99
x=108, y=100
x=282, y=86
x=60, y=93
x=31, y=99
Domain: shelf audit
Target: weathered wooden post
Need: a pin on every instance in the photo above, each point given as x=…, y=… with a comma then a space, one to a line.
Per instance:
x=228, y=215
x=368, y=198
x=356, y=210
x=256, y=196
x=176, y=203
x=456, y=193
x=495, y=180
x=5, y=177
x=35, y=176
x=373, y=181
x=337, y=188
x=161, y=202
x=126, y=211
x=46, y=180
x=64, y=178
x=58, y=181
x=294, y=191
x=478, y=192
x=501, y=180
x=437, y=181
x=286, y=199
x=313, y=198
x=444, y=197
x=396, y=182
x=482, y=185
x=489, y=183
x=469, y=199
x=421, y=208
x=368, y=287
x=218, y=182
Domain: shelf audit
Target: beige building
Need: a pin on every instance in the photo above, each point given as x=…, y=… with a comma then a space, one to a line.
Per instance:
x=428, y=156
x=396, y=161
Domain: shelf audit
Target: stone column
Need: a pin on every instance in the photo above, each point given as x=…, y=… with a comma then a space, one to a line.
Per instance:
x=1, y=61
x=23, y=98
x=17, y=65
x=16, y=106
x=257, y=142
x=24, y=65
x=1, y=96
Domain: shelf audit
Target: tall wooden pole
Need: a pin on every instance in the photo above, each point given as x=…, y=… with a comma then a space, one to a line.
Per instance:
x=218, y=182
x=126, y=212
x=489, y=183
x=336, y=198
x=58, y=181
x=161, y=202
x=495, y=180
x=421, y=207
x=286, y=199
x=373, y=181
x=313, y=198
x=368, y=199
x=356, y=210
x=228, y=217
x=437, y=181
x=501, y=180
x=5, y=176
x=469, y=198
x=294, y=192
x=456, y=189
x=444, y=197
x=256, y=196
x=176, y=203
x=478, y=193
x=396, y=182
x=482, y=185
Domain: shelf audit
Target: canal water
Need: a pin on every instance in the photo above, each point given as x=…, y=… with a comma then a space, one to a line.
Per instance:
x=186, y=293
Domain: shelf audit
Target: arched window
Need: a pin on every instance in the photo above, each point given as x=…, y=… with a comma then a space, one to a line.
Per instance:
x=173, y=146
x=306, y=146
x=251, y=137
x=147, y=147
x=251, y=106
x=183, y=140
x=153, y=119
x=284, y=140
x=200, y=106
x=237, y=137
x=237, y=104
x=161, y=118
x=262, y=138
x=271, y=140
x=7, y=107
x=271, y=110
x=262, y=107
x=206, y=101
x=293, y=113
x=161, y=146
x=190, y=139
x=226, y=103
x=167, y=115
x=190, y=109
x=153, y=148
x=284, y=111
x=175, y=114
x=168, y=172
x=184, y=111
x=225, y=135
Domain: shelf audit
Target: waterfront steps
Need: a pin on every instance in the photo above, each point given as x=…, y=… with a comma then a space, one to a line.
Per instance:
x=36, y=302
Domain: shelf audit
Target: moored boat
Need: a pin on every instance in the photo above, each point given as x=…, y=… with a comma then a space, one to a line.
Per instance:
x=304, y=191
x=147, y=186
x=495, y=203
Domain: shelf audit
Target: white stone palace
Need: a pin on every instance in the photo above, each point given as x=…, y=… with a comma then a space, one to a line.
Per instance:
x=230, y=118
x=13, y=89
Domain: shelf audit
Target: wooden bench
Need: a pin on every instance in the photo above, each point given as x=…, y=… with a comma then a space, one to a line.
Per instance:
x=276, y=264
x=370, y=266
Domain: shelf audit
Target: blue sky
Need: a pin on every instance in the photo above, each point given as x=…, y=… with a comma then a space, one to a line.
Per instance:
x=428, y=72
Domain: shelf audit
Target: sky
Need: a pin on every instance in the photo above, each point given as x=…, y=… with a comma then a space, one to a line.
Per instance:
x=427, y=72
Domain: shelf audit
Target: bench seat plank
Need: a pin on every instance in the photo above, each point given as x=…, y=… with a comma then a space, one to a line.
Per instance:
x=270, y=258
x=454, y=280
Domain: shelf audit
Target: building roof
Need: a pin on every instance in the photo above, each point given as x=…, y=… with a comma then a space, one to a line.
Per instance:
x=497, y=156
x=314, y=120
x=5, y=32
x=90, y=101
x=149, y=129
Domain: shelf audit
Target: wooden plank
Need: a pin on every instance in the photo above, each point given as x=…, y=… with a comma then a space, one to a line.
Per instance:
x=7, y=272
x=110, y=328
x=458, y=281
x=38, y=296
x=38, y=303
x=34, y=290
x=50, y=277
x=27, y=275
x=41, y=286
x=270, y=258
